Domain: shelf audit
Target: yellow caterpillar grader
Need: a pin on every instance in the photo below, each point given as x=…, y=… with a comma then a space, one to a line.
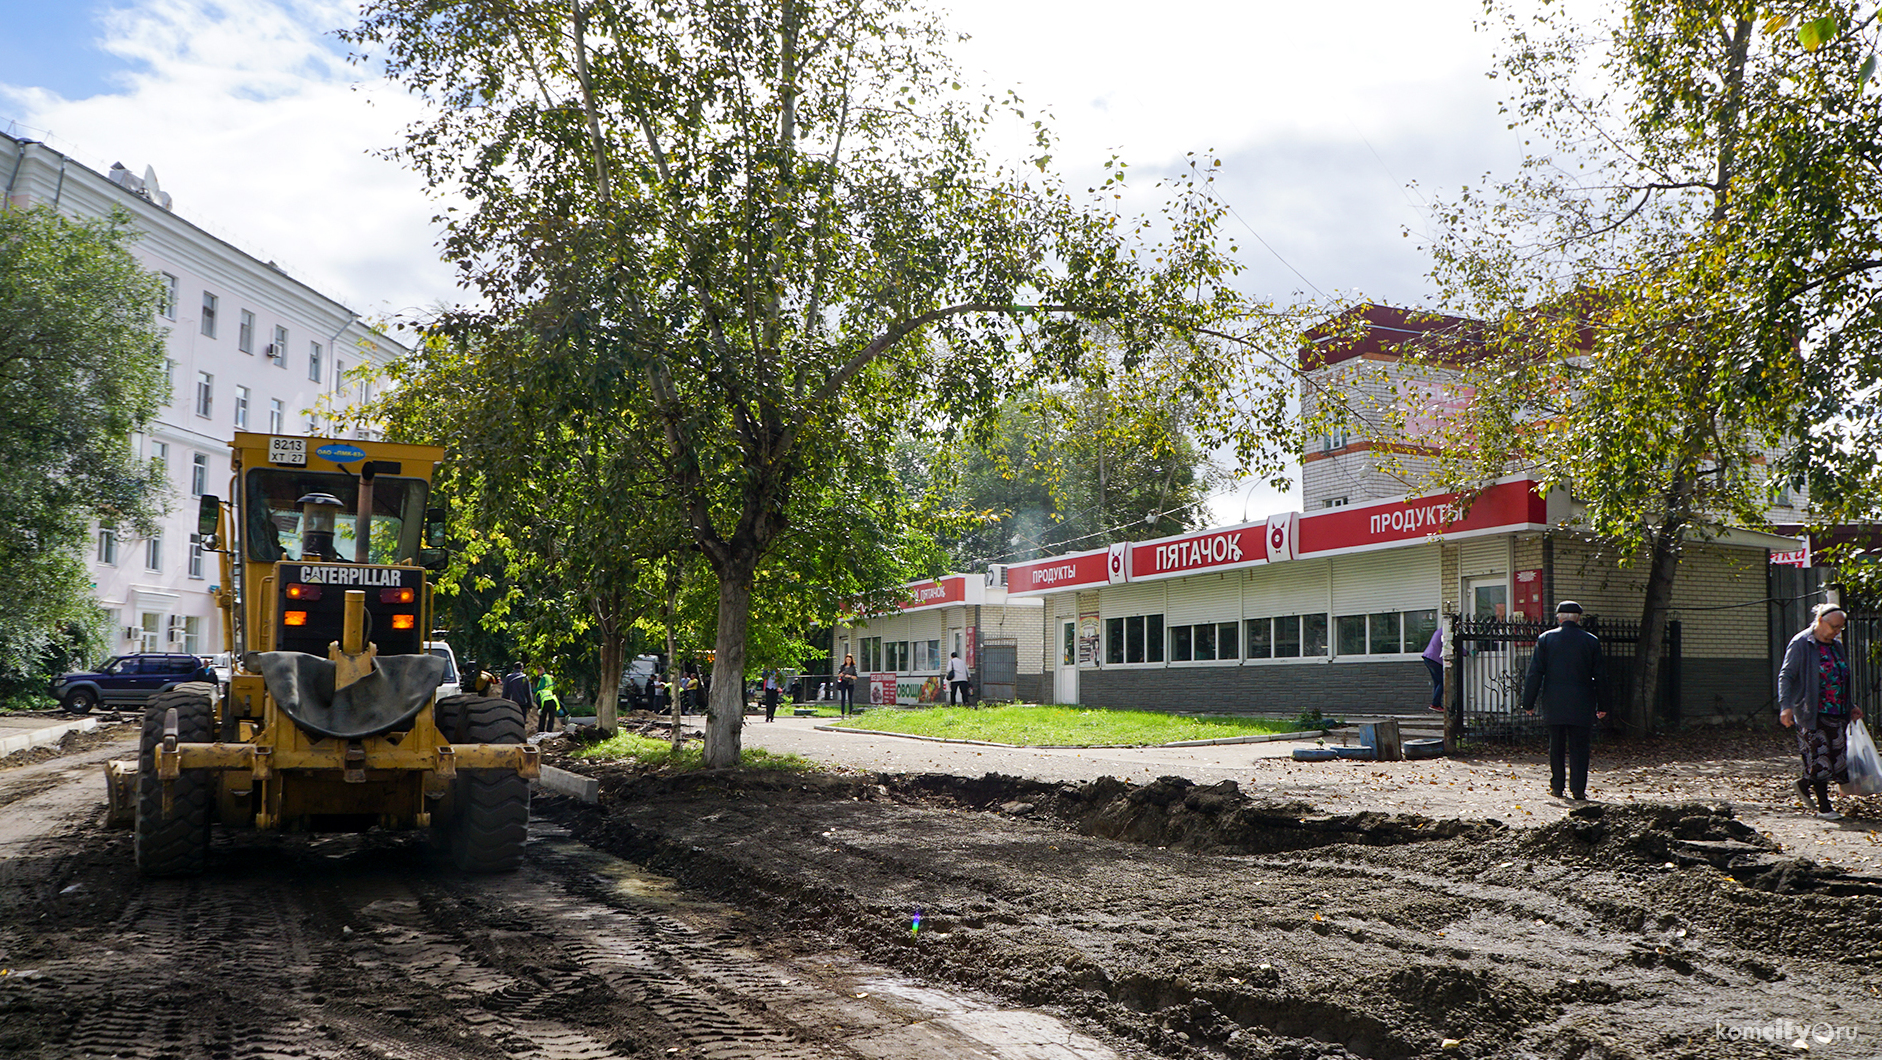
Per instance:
x=330, y=721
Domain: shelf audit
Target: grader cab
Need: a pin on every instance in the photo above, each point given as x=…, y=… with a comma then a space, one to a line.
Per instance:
x=331, y=721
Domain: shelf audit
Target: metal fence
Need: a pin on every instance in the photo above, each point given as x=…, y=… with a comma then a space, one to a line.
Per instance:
x=1862, y=640
x=1490, y=661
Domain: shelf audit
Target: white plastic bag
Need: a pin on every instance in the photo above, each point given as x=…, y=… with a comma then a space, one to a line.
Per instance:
x=1865, y=767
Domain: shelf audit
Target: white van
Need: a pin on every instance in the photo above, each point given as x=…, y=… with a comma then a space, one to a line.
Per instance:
x=451, y=685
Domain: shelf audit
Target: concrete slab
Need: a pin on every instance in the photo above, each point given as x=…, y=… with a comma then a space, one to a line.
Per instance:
x=47, y=731
x=574, y=785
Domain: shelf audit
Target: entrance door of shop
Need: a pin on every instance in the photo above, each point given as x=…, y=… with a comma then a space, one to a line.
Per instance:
x=1489, y=597
x=1067, y=688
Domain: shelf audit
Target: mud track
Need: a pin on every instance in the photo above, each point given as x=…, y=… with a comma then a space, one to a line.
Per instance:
x=1194, y=922
x=761, y=915
x=369, y=947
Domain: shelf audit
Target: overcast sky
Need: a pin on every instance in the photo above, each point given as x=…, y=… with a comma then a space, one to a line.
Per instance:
x=1334, y=126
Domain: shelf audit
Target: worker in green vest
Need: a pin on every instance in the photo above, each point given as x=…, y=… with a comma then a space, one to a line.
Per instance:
x=546, y=697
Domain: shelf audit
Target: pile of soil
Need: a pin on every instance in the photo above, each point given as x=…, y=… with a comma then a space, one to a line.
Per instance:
x=1196, y=922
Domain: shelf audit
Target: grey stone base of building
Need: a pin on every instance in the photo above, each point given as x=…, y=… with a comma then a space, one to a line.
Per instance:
x=1382, y=687
x=1712, y=691
x=1029, y=687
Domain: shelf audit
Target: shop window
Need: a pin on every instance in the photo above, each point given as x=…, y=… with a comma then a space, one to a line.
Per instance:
x=1419, y=626
x=1180, y=643
x=1134, y=639
x=1313, y=635
x=898, y=656
x=931, y=655
x=1287, y=637
x=1260, y=638
x=1383, y=630
x=1350, y=634
x=871, y=650
x=1228, y=640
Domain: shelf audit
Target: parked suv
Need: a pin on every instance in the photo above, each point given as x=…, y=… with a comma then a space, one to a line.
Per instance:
x=128, y=681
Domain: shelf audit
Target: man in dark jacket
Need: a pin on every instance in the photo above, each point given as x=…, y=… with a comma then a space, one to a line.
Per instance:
x=516, y=688
x=1568, y=675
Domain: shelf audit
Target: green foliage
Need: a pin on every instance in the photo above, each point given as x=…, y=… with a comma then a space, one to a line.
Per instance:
x=776, y=219
x=652, y=754
x=1061, y=726
x=81, y=370
x=1057, y=471
x=1676, y=300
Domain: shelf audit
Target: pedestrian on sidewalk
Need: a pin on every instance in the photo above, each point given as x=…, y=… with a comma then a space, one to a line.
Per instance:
x=1814, y=696
x=1434, y=666
x=846, y=685
x=957, y=680
x=771, y=693
x=1568, y=675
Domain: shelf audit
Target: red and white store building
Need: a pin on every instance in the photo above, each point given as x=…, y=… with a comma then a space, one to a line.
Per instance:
x=1331, y=609
x=902, y=658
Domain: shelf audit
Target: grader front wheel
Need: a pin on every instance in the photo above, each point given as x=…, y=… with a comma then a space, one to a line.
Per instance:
x=489, y=824
x=174, y=843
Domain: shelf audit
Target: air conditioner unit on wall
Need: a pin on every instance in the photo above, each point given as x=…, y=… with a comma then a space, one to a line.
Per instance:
x=132, y=632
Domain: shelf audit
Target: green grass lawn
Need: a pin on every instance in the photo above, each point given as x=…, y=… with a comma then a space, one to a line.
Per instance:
x=659, y=754
x=1030, y=725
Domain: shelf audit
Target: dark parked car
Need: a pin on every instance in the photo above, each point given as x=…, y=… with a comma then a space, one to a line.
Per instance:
x=128, y=681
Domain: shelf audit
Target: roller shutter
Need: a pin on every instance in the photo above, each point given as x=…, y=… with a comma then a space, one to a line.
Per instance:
x=1206, y=598
x=1126, y=600
x=1401, y=579
x=1483, y=556
x=1298, y=588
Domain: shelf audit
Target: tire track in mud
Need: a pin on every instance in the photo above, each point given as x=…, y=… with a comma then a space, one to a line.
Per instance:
x=358, y=947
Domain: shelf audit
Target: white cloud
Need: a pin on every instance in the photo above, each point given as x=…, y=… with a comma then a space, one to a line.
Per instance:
x=262, y=133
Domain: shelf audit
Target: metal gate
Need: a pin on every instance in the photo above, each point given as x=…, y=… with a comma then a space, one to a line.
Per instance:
x=999, y=672
x=1490, y=661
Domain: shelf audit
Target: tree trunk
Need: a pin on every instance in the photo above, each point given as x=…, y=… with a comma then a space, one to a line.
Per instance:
x=725, y=714
x=667, y=608
x=607, y=698
x=1637, y=720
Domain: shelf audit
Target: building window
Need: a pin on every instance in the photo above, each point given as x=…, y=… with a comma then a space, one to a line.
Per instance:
x=1287, y=637
x=928, y=655
x=241, y=407
x=279, y=350
x=1333, y=502
x=147, y=630
x=168, y=305
x=1385, y=632
x=205, y=394
x=160, y=456
x=209, y=315
x=313, y=361
x=339, y=374
x=169, y=380
x=193, y=634
x=1205, y=642
x=108, y=545
x=1134, y=639
x=895, y=656
x=245, y=333
x=1071, y=643
x=199, y=474
x=153, y=552
x=1335, y=439
x=277, y=416
x=196, y=555
x=313, y=422
x=872, y=654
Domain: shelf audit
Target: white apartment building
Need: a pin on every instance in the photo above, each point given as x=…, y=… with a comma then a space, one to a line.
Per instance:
x=248, y=348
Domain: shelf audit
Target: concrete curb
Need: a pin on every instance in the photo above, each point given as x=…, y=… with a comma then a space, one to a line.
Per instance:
x=1314, y=735
x=49, y=735
x=574, y=785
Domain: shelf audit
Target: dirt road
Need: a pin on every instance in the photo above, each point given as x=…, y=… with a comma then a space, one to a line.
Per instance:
x=366, y=947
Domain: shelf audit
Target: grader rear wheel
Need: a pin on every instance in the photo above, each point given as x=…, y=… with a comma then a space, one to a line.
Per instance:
x=175, y=843
x=490, y=821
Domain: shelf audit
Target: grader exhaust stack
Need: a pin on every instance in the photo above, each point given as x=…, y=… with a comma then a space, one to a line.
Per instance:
x=331, y=720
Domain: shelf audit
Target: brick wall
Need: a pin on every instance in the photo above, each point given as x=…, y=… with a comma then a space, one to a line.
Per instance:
x=1328, y=687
